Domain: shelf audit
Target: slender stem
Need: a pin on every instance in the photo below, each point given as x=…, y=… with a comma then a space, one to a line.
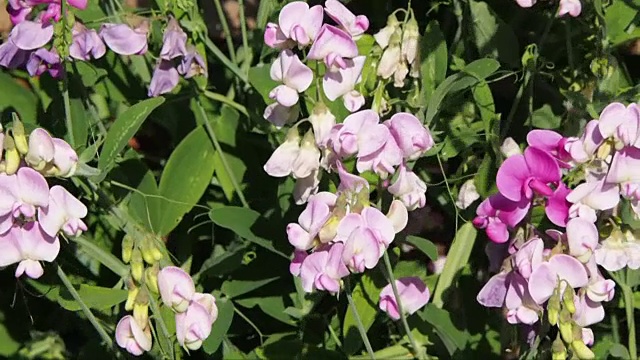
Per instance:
x=225, y=60
x=631, y=322
x=225, y=164
x=361, y=329
x=227, y=31
x=160, y=321
x=243, y=28
x=225, y=100
x=245, y=318
x=64, y=86
x=403, y=317
x=87, y=312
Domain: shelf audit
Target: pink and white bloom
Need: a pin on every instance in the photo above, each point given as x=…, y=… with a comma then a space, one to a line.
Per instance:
x=588, y=312
x=625, y=166
x=297, y=23
x=21, y=194
x=295, y=76
x=382, y=228
x=361, y=250
x=617, y=251
x=176, y=288
x=133, y=337
x=123, y=40
x=308, y=159
x=41, y=149
x=280, y=115
x=584, y=148
x=323, y=269
x=65, y=159
x=591, y=196
x=360, y=133
x=333, y=46
x=27, y=246
x=302, y=234
x=296, y=262
x=413, y=138
x=322, y=121
x=497, y=215
x=571, y=7
x=548, y=275
x=409, y=189
x=306, y=187
x=582, y=237
x=354, y=25
x=621, y=122
x=383, y=161
x=413, y=294
x=193, y=326
x=280, y=164
x=64, y=212
x=521, y=176
x=342, y=81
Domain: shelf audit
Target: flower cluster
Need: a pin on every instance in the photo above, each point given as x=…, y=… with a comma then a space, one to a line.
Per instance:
x=195, y=312
x=554, y=270
x=32, y=214
x=400, y=45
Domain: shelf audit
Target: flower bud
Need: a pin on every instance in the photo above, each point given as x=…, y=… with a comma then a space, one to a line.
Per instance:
x=383, y=36
x=18, y=135
x=510, y=147
x=559, y=351
x=322, y=121
x=567, y=300
x=566, y=326
x=131, y=297
x=410, y=39
x=147, y=253
x=151, y=278
x=552, y=315
x=581, y=350
x=127, y=248
x=141, y=313
x=12, y=157
x=137, y=266
x=157, y=254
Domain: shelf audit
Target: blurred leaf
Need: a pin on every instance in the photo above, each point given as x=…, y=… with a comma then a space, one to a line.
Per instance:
x=424, y=245
x=485, y=178
x=89, y=74
x=544, y=118
x=484, y=101
x=185, y=178
x=433, y=52
x=123, y=129
x=95, y=297
x=457, y=258
x=145, y=205
x=18, y=98
x=221, y=326
x=265, y=9
x=619, y=351
x=226, y=128
x=365, y=296
x=453, y=338
x=270, y=305
x=260, y=79
x=79, y=123
x=492, y=35
x=618, y=17
x=8, y=345
x=233, y=288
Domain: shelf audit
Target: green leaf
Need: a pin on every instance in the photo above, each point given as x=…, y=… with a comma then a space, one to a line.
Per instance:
x=89, y=74
x=8, y=345
x=79, y=123
x=144, y=205
x=265, y=9
x=270, y=305
x=453, y=338
x=240, y=220
x=433, y=51
x=226, y=126
x=185, y=178
x=234, y=288
x=123, y=129
x=260, y=79
x=485, y=178
x=618, y=17
x=492, y=35
x=365, y=296
x=221, y=326
x=424, y=245
x=95, y=297
x=457, y=258
x=18, y=98
x=544, y=118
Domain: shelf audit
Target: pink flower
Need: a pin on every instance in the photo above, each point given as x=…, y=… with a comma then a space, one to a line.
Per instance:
x=280, y=164
x=624, y=166
x=552, y=143
x=546, y=277
x=30, y=35
x=412, y=137
x=322, y=121
x=302, y=234
x=591, y=196
x=588, y=312
x=361, y=134
x=349, y=182
x=193, y=325
x=529, y=257
x=64, y=212
x=620, y=122
x=308, y=160
x=132, y=337
x=582, y=237
x=617, y=251
x=342, y=81
x=306, y=187
x=41, y=149
x=361, y=250
x=296, y=262
x=21, y=194
x=521, y=308
x=323, y=269
x=409, y=188
x=413, y=294
x=571, y=7
x=65, y=158
x=557, y=208
x=333, y=46
x=383, y=161
x=280, y=115
x=353, y=100
x=174, y=41
x=124, y=40
x=176, y=288
x=581, y=150
x=86, y=43
x=28, y=245
x=295, y=76
x=520, y=176
x=296, y=22
x=497, y=215
x=354, y=25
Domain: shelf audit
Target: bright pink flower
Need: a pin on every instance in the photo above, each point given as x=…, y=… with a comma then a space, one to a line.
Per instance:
x=28, y=245
x=498, y=214
x=302, y=234
x=354, y=25
x=64, y=212
x=409, y=188
x=582, y=237
x=176, y=288
x=193, y=326
x=520, y=176
x=546, y=277
x=21, y=194
x=621, y=122
x=297, y=22
x=571, y=7
x=333, y=46
x=361, y=134
x=323, y=269
x=552, y=143
x=557, y=208
x=413, y=294
x=131, y=336
x=295, y=76
x=412, y=137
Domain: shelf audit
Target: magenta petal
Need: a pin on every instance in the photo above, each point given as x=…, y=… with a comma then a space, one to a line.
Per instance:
x=546, y=140
x=497, y=231
x=557, y=208
x=511, y=177
x=542, y=165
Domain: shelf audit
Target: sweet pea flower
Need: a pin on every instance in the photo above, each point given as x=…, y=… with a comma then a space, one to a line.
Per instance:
x=601, y=289
x=467, y=195
x=306, y=187
x=280, y=115
x=295, y=76
x=349, y=182
x=64, y=212
x=552, y=143
x=41, y=149
x=361, y=250
x=510, y=147
x=409, y=188
x=124, y=40
x=624, y=166
x=583, y=149
x=11, y=56
x=43, y=60
x=361, y=134
x=27, y=246
x=520, y=176
x=582, y=237
x=353, y=100
x=413, y=138
x=280, y=164
x=383, y=161
x=413, y=294
x=132, y=337
x=383, y=36
x=176, y=288
x=192, y=64
x=587, y=336
x=354, y=25
x=322, y=121
x=308, y=159
x=588, y=312
x=165, y=78
x=526, y=3
x=174, y=41
x=548, y=275
x=617, y=251
x=323, y=269
x=53, y=13
x=620, y=122
x=529, y=257
x=342, y=81
x=296, y=22
x=591, y=196
x=302, y=234
x=86, y=43
x=31, y=35
x=19, y=10
x=509, y=289
x=296, y=262
x=557, y=208
x=382, y=228
x=193, y=325
x=65, y=159
x=333, y=46
x=497, y=215
x=21, y=194
x=571, y=7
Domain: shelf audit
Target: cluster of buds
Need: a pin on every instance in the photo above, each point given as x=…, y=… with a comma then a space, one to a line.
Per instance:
x=603, y=163
x=400, y=43
x=32, y=214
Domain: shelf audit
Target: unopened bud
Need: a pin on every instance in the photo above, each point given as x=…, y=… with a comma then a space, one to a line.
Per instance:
x=552, y=315
x=410, y=39
x=12, y=156
x=567, y=300
x=558, y=350
x=127, y=248
x=565, y=325
x=131, y=298
x=141, y=313
x=582, y=351
x=137, y=266
x=19, y=136
x=151, y=278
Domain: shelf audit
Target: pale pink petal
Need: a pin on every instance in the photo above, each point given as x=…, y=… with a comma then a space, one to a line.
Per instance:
x=32, y=187
x=611, y=117
x=494, y=291
x=542, y=282
x=569, y=269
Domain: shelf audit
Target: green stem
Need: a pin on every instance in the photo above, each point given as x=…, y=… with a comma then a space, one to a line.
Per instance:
x=225, y=100
x=631, y=322
x=243, y=28
x=64, y=86
x=218, y=148
x=157, y=315
x=92, y=319
x=361, y=329
x=227, y=31
x=225, y=60
x=403, y=317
